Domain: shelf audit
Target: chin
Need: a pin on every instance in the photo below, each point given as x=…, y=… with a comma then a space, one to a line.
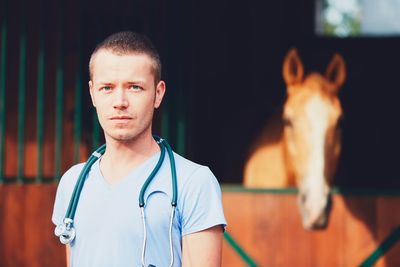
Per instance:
x=125, y=136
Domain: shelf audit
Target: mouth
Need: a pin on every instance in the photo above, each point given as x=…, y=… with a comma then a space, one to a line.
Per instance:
x=120, y=118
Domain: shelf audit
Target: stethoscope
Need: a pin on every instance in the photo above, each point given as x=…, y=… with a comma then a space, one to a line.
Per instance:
x=66, y=230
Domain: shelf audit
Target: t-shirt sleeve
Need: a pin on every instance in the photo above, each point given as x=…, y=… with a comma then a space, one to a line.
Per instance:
x=201, y=206
x=64, y=192
x=59, y=209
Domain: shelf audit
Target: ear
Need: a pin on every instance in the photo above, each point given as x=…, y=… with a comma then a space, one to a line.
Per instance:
x=336, y=72
x=160, y=91
x=293, y=70
x=91, y=93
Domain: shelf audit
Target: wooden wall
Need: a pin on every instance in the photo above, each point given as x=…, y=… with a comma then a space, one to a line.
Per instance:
x=268, y=228
x=266, y=225
x=26, y=231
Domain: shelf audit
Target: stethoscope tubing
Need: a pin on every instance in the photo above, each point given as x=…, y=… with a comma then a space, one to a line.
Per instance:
x=151, y=176
x=66, y=231
x=81, y=180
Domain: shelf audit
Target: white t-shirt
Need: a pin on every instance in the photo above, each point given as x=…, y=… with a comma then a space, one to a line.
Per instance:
x=109, y=228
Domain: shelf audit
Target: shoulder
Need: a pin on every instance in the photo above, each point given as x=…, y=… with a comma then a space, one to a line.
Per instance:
x=189, y=170
x=192, y=176
x=69, y=178
x=199, y=197
x=64, y=192
x=71, y=173
x=185, y=165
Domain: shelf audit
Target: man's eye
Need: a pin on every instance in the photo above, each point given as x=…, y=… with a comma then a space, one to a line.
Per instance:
x=135, y=87
x=107, y=88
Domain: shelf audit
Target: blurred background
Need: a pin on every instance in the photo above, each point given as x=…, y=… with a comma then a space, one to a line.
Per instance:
x=222, y=62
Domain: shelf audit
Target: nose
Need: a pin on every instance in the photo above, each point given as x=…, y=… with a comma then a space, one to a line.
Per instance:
x=120, y=100
x=314, y=210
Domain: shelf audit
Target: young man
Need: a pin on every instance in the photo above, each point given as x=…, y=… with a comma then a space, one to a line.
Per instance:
x=125, y=88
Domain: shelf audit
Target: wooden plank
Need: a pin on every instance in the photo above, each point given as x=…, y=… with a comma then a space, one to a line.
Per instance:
x=388, y=207
x=268, y=227
x=13, y=225
x=27, y=233
x=230, y=258
x=330, y=253
x=359, y=228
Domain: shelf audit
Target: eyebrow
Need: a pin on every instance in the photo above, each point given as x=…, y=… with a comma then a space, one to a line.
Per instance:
x=104, y=83
x=137, y=82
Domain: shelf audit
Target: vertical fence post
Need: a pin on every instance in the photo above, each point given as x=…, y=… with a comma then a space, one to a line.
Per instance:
x=78, y=110
x=40, y=97
x=78, y=89
x=59, y=94
x=96, y=131
x=177, y=108
x=3, y=72
x=95, y=122
x=21, y=97
x=78, y=107
x=165, y=121
x=181, y=125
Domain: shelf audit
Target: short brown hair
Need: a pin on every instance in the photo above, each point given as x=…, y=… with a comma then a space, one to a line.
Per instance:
x=127, y=42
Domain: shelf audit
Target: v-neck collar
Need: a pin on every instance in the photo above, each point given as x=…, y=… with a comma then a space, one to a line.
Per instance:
x=123, y=180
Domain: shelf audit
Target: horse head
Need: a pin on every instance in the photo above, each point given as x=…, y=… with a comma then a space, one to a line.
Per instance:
x=311, y=133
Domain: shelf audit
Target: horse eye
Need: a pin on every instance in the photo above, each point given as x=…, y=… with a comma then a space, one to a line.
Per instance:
x=339, y=123
x=287, y=122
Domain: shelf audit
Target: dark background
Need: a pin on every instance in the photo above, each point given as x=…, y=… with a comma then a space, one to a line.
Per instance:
x=244, y=86
x=222, y=64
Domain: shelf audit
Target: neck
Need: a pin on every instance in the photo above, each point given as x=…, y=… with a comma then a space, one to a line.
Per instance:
x=121, y=157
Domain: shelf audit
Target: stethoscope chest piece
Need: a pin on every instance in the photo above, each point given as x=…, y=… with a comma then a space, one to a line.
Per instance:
x=65, y=231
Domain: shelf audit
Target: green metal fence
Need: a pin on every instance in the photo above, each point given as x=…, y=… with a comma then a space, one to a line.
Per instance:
x=43, y=42
x=3, y=73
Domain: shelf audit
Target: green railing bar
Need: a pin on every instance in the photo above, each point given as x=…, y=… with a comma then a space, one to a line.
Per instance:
x=59, y=96
x=240, y=188
x=78, y=90
x=96, y=125
x=180, y=142
x=59, y=113
x=292, y=190
x=240, y=251
x=78, y=111
x=40, y=106
x=3, y=73
x=165, y=121
x=21, y=104
x=387, y=244
x=96, y=131
x=365, y=191
x=181, y=126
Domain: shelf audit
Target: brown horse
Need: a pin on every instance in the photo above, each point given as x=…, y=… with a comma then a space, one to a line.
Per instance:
x=302, y=148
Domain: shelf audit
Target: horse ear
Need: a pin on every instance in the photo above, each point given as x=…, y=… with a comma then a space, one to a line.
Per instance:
x=336, y=72
x=292, y=68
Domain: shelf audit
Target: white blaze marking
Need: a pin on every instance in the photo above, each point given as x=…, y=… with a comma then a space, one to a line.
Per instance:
x=317, y=114
x=314, y=183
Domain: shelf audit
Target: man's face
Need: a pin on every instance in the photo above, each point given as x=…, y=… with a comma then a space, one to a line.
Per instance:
x=124, y=94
